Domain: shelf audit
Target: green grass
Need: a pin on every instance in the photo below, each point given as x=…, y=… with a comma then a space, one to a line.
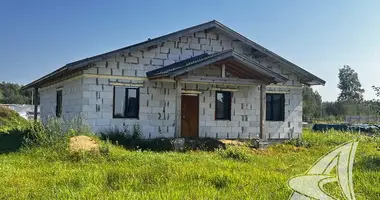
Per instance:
x=234, y=173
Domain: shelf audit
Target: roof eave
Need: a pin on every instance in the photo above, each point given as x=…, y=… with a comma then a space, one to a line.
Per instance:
x=269, y=53
x=204, y=26
x=277, y=77
x=315, y=82
x=228, y=54
x=36, y=82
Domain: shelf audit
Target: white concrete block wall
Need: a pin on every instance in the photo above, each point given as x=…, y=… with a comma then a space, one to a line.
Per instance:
x=292, y=125
x=157, y=100
x=72, y=100
x=156, y=112
x=47, y=102
x=244, y=118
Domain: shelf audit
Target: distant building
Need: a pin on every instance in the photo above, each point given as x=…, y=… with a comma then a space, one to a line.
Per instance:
x=24, y=110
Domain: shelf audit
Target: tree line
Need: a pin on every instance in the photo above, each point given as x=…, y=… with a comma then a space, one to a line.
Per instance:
x=11, y=93
x=350, y=101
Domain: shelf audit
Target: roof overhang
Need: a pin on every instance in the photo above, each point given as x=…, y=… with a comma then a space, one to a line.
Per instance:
x=307, y=75
x=78, y=65
x=237, y=64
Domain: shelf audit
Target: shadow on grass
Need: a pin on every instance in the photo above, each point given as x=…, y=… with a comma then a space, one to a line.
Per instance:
x=11, y=141
x=370, y=163
x=166, y=144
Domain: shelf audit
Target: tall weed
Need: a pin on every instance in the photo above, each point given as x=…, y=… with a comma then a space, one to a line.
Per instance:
x=55, y=132
x=239, y=153
x=122, y=135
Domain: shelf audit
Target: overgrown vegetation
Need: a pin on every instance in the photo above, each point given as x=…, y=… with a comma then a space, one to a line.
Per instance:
x=130, y=138
x=16, y=132
x=9, y=120
x=44, y=169
x=240, y=153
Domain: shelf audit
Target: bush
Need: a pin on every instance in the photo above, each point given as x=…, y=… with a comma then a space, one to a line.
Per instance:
x=157, y=144
x=234, y=152
x=220, y=181
x=298, y=142
x=122, y=136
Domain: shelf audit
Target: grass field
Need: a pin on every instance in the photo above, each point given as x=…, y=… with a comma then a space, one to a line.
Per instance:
x=234, y=173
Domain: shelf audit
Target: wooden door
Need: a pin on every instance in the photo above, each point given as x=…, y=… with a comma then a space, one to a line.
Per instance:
x=189, y=115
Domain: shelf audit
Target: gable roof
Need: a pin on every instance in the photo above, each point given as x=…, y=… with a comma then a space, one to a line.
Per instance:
x=202, y=60
x=69, y=68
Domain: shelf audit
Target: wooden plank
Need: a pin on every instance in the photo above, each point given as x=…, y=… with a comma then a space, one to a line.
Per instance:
x=277, y=92
x=223, y=75
x=238, y=73
x=225, y=89
x=263, y=103
x=191, y=92
x=244, y=69
x=178, y=108
x=35, y=95
x=128, y=84
x=114, y=77
x=217, y=80
x=209, y=61
x=284, y=86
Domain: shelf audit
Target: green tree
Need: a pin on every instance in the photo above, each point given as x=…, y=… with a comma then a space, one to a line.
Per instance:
x=377, y=90
x=375, y=104
x=312, y=103
x=350, y=88
x=12, y=94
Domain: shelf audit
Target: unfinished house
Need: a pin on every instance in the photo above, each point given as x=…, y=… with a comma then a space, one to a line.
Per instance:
x=203, y=81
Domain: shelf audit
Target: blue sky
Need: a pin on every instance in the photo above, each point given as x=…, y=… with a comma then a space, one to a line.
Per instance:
x=37, y=37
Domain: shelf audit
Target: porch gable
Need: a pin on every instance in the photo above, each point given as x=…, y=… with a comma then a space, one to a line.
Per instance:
x=243, y=68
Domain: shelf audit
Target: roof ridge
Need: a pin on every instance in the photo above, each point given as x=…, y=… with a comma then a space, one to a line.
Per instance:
x=79, y=64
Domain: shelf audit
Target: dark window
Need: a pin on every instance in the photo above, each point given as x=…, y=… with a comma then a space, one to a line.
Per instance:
x=58, y=108
x=223, y=105
x=275, y=107
x=125, y=102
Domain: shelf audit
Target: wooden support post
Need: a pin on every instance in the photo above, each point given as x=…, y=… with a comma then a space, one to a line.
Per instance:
x=223, y=70
x=263, y=103
x=35, y=95
x=178, y=118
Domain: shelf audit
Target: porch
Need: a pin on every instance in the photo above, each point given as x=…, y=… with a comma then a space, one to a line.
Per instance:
x=225, y=75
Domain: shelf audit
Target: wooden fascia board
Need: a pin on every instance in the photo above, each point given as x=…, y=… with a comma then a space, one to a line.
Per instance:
x=237, y=69
x=209, y=61
x=258, y=67
x=237, y=73
x=230, y=54
x=216, y=80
